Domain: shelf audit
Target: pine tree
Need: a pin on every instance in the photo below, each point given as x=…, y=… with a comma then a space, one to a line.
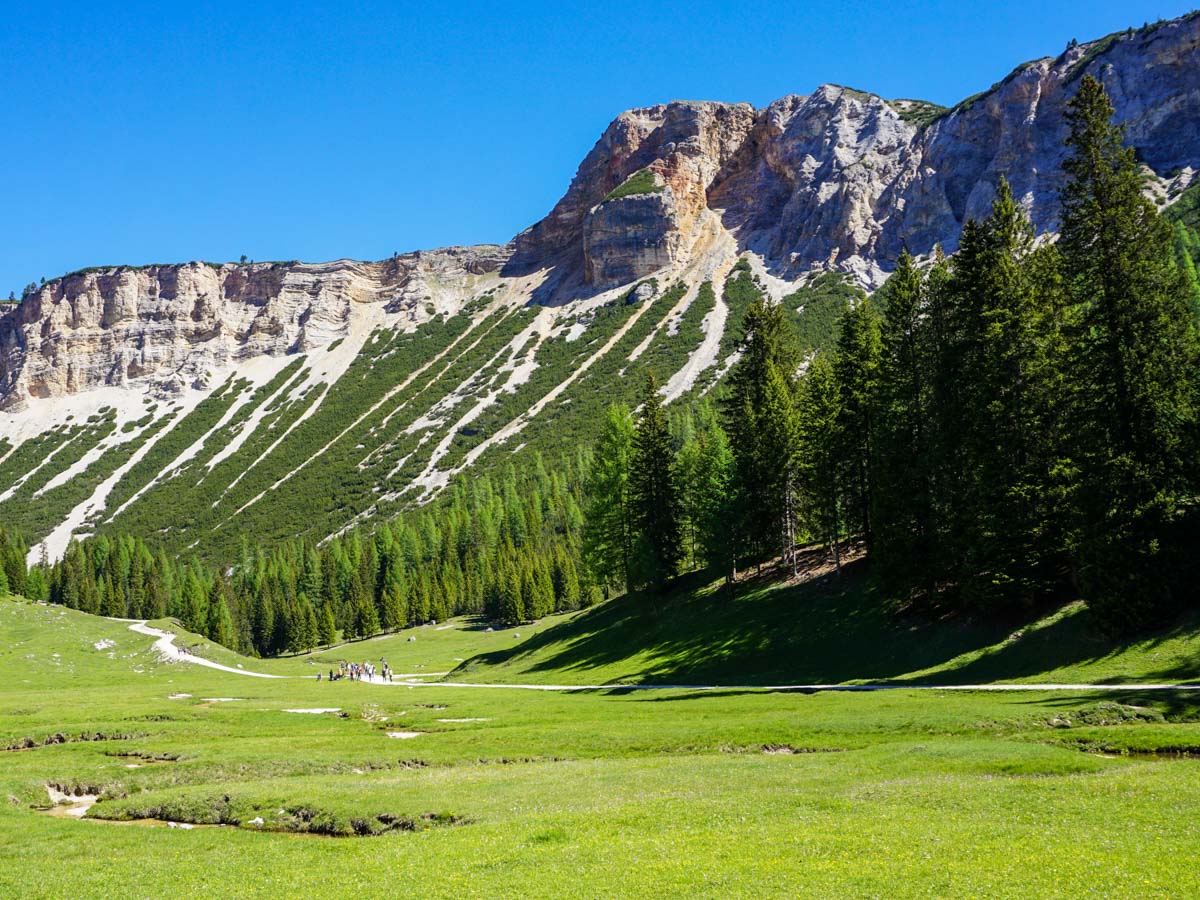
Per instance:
x=1134, y=374
x=903, y=556
x=393, y=612
x=856, y=366
x=819, y=466
x=37, y=588
x=710, y=489
x=326, y=630
x=653, y=495
x=1002, y=515
x=769, y=360
x=511, y=603
x=608, y=533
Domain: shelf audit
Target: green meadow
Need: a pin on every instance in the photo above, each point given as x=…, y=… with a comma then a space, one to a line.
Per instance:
x=447, y=790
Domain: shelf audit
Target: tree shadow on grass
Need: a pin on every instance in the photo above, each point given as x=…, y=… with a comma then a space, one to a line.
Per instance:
x=825, y=630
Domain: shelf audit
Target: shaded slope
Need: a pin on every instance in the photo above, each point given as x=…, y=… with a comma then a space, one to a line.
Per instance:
x=828, y=630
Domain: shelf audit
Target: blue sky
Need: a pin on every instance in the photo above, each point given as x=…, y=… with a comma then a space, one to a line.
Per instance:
x=146, y=132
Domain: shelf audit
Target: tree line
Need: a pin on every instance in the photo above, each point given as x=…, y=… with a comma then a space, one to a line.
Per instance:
x=1012, y=424
x=505, y=550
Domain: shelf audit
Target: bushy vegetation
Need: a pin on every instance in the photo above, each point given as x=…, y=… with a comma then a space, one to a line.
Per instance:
x=920, y=112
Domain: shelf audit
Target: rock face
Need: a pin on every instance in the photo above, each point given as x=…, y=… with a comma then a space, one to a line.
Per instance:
x=838, y=179
x=684, y=144
x=845, y=180
x=175, y=325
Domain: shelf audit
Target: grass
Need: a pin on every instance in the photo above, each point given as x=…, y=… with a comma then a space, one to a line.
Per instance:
x=828, y=630
x=640, y=182
x=597, y=793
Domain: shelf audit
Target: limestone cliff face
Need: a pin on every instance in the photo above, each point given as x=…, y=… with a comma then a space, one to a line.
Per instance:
x=684, y=144
x=838, y=179
x=176, y=325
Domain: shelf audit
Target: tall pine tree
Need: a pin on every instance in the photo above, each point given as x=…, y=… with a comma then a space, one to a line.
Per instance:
x=1133, y=375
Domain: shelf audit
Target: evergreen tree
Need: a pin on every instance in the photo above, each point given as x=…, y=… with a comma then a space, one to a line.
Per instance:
x=710, y=489
x=326, y=630
x=819, y=465
x=511, y=603
x=653, y=495
x=902, y=506
x=1133, y=374
x=220, y=621
x=763, y=377
x=393, y=612
x=856, y=366
x=608, y=533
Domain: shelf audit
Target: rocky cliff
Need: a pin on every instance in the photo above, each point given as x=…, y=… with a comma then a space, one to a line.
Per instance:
x=843, y=179
x=839, y=179
x=175, y=326
x=197, y=402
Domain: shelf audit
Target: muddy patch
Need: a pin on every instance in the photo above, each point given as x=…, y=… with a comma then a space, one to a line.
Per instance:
x=69, y=805
x=1106, y=714
x=141, y=758
x=300, y=818
x=31, y=743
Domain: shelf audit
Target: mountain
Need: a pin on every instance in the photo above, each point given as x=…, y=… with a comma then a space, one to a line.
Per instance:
x=200, y=402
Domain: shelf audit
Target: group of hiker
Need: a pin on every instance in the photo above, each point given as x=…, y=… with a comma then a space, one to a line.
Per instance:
x=364, y=671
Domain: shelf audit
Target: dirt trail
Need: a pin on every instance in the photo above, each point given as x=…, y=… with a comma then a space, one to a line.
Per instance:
x=165, y=645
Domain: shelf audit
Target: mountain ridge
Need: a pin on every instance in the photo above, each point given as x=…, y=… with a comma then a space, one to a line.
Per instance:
x=125, y=390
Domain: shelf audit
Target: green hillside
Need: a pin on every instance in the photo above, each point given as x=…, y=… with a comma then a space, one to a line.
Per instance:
x=302, y=454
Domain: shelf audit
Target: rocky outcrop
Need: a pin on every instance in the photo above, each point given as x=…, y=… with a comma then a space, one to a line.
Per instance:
x=842, y=179
x=685, y=145
x=177, y=325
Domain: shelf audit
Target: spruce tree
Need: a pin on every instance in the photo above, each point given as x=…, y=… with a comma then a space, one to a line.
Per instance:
x=763, y=376
x=511, y=603
x=326, y=630
x=1003, y=518
x=902, y=551
x=856, y=365
x=653, y=494
x=608, y=533
x=393, y=611
x=819, y=467
x=1133, y=375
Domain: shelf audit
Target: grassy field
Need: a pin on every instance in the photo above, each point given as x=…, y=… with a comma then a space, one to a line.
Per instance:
x=596, y=793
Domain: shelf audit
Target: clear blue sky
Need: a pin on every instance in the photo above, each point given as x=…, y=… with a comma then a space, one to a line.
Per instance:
x=148, y=132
